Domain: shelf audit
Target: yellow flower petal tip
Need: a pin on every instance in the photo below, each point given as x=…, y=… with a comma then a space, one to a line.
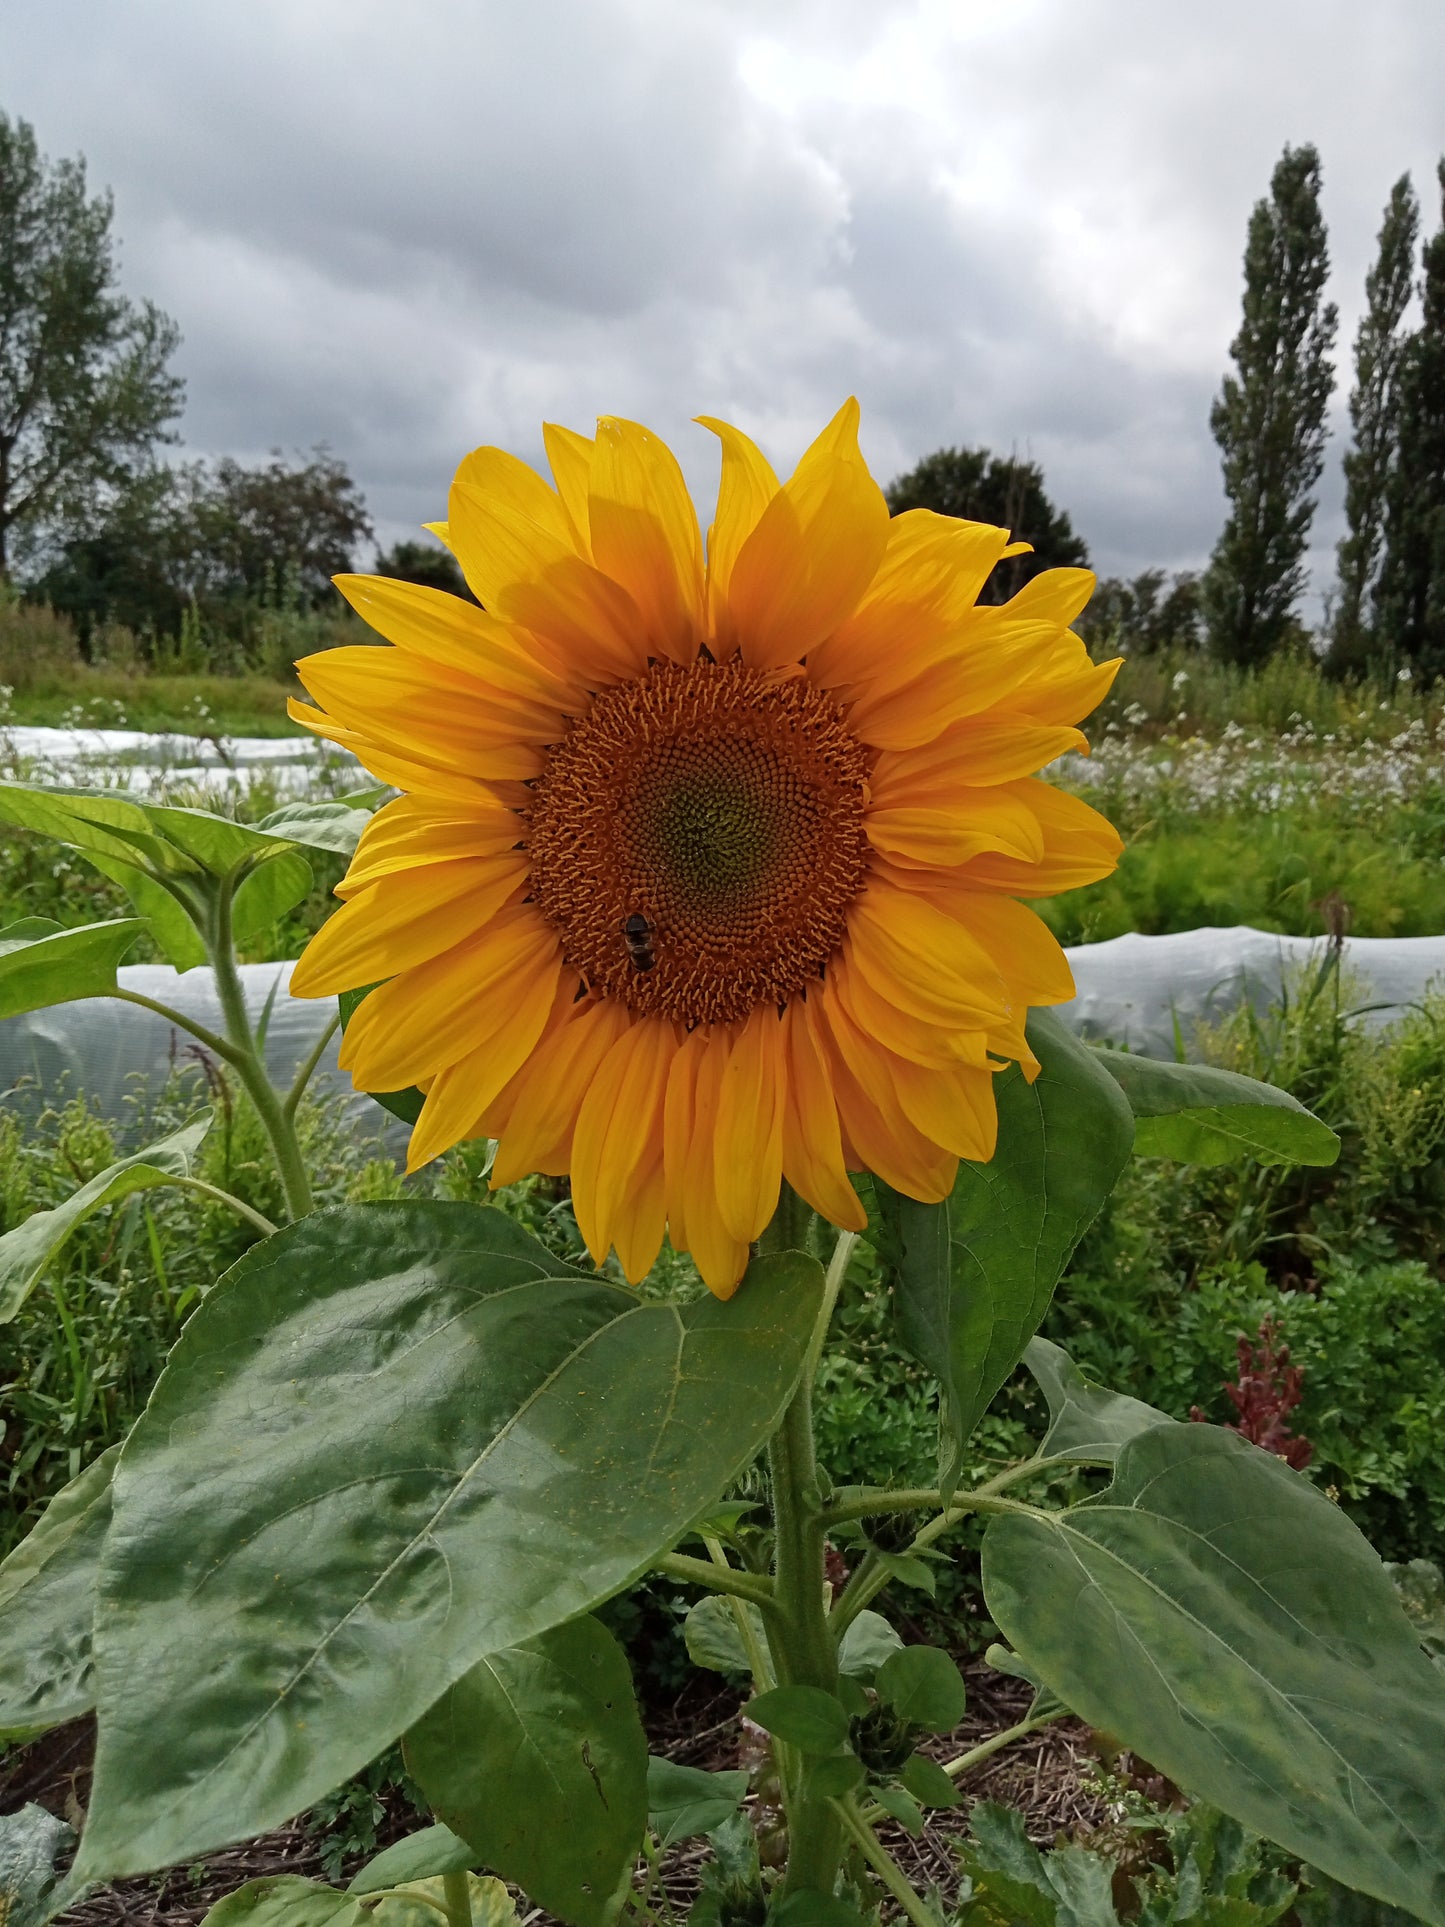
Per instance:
x=707, y=866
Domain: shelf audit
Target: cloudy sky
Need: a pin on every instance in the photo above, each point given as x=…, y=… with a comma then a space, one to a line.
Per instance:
x=404, y=231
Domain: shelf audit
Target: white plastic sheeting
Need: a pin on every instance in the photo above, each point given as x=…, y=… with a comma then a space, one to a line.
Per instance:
x=1132, y=990
x=1144, y=992
x=141, y=761
x=100, y=1045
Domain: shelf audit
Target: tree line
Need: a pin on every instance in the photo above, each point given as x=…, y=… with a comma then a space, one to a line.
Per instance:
x=97, y=523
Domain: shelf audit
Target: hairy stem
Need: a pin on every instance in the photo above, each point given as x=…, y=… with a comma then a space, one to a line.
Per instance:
x=886, y=1868
x=457, y=1891
x=277, y=1124
x=232, y=1203
x=308, y=1067
x=799, y=1638
x=700, y=1572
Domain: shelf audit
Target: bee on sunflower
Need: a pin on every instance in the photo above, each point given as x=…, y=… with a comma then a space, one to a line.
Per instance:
x=707, y=867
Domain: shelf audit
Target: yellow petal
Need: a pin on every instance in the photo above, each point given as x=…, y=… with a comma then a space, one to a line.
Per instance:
x=928, y=581
x=1058, y=595
x=413, y=831
x=749, y=1142
x=907, y=948
x=960, y=822
x=983, y=667
x=1080, y=847
x=884, y=1138
x=618, y=1125
x=412, y=774
x=813, y=553
x=1072, y=689
x=443, y=629
x=402, y=920
x=530, y=572
x=570, y=455
x=904, y=1033
x=812, y=1142
x=746, y=487
x=1027, y=953
x=460, y=1094
x=430, y=713
x=720, y=1257
x=645, y=535
x=954, y=1108
x=443, y=1009
x=539, y=1131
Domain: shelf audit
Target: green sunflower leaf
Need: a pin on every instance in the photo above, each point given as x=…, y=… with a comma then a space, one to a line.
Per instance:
x=1086, y=1423
x=1200, y=1115
x=1218, y=1615
x=537, y=1759
x=47, y=1603
x=42, y=964
x=973, y=1276
x=392, y=1442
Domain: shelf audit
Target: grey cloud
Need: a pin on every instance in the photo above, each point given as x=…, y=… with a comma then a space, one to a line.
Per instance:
x=407, y=234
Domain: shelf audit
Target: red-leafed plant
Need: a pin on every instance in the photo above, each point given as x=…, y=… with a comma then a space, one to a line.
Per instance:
x=1267, y=1390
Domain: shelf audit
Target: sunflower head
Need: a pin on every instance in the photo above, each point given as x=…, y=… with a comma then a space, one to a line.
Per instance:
x=706, y=867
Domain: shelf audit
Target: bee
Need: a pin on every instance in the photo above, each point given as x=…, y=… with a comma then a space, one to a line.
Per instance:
x=637, y=935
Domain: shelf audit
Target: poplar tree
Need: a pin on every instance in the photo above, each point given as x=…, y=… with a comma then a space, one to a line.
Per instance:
x=1411, y=595
x=85, y=391
x=1374, y=417
x=1269, y=419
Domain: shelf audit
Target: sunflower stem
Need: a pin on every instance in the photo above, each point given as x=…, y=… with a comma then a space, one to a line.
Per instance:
x=246, y=1059
x=799, y=1639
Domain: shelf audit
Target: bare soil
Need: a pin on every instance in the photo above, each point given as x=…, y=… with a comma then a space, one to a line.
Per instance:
x=1049, y=1776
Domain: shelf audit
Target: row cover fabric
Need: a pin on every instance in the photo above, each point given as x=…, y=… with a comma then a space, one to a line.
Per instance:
x=143, y=761
x=1144, y=993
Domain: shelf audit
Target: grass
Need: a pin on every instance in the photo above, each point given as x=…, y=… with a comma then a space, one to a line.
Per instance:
x=91, y=697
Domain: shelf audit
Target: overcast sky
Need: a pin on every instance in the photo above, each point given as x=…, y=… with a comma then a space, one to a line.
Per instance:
x=406, y=230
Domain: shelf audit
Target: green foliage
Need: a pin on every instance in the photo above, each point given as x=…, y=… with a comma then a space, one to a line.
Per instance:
x=1276, y=874
x=346, y=1820
x=1374, y=418
x=1269, y=420
x=640, y=1413
x=1142, y=616
x=78, y=1363
x=536, y=1758
x=1411, y=591
x=981, y=487
x=1224, y=1620
x=1206, y=1871
x=85, y=390
x=973, y=1276
x=218, y=563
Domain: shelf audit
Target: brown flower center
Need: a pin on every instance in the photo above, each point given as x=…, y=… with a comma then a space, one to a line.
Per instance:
x=697, y=838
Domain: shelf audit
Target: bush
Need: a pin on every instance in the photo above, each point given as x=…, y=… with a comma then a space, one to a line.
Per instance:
x=36, y=645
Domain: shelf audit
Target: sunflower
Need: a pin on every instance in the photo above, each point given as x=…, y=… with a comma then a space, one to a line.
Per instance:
x=705, y=871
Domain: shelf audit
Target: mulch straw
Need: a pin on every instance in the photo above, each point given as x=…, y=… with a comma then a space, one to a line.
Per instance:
x=1049, y=1776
